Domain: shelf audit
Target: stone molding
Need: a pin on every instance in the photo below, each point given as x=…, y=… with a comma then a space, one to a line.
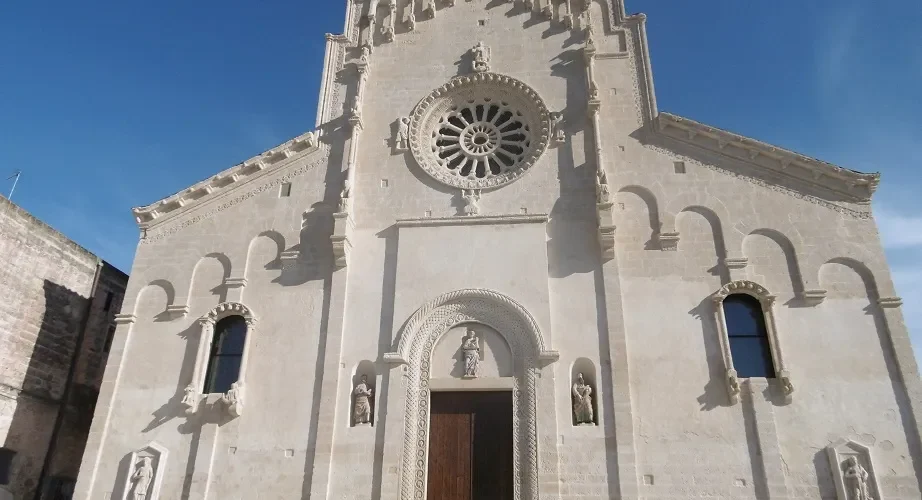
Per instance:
x=473, y=220
x=767, y=301
x=125, y=319
x=417, y=340
x=147, y=216
x=855, y=185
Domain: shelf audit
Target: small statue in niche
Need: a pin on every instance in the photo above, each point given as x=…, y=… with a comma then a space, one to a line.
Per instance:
x=481, y=58
x=366, y=55
x=582, y=402
x=190, y=398
x=403, y=133
x=557, y=126
x=471, y=347
x=361, y=412
x=142, y=478
x=857, y=478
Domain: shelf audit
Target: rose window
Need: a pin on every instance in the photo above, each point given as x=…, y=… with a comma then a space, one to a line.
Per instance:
x=482, y=139
x=479, y=131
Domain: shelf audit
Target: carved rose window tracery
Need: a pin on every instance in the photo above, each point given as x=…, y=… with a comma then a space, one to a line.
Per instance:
x=482, y=138
x=479, y=131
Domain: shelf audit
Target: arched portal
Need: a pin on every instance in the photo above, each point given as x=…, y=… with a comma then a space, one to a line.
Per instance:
x=417, y=339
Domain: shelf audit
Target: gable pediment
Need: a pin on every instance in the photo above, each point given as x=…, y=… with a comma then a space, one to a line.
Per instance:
x=776, y=162
x=229, y=180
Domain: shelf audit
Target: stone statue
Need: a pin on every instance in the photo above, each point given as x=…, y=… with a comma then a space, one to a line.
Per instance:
x=603, y=194
x=190, y=398
x=582, y=402
x=142, y=478
x=403, y=133
x=481, y=58
x=411, y=21
x=366, y=54
x=557, y=126
x=471, y=347
x=857, y=478
x=361, y=413
x=311, y=139
x=234, y=399
x=471, y=197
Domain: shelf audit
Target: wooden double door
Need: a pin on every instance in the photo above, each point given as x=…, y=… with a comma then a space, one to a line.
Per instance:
x=470, y=446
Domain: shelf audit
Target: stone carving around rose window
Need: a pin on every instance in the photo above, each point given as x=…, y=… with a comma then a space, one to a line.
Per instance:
x=481, y=58
x=582, y=402
x=479, y=131
x=471, y=347
x=361, y=410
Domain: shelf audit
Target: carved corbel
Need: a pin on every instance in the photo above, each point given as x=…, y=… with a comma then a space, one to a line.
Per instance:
x=733, y=386
x=813, y=297
x=289, y=258
x=177, y=311
x=668, y=241
x=342, y=234
x=736, y=263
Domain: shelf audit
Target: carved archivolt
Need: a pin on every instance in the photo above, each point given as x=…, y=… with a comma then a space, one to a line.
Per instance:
x=479, y=131
x=767, y=300
x=417, y=340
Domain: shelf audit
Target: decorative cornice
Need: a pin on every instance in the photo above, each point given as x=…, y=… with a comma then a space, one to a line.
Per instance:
x=855, y=185
x=473, y=220
x=150, y=215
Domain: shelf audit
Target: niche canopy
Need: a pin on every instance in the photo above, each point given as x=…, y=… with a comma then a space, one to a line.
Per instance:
x=479, y=131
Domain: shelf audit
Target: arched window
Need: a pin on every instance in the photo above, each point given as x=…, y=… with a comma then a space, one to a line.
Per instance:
x=749, y=344
x=226, y=354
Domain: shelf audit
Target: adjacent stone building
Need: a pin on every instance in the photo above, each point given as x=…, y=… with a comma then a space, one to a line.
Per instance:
x=57, y=305
x=497, y=270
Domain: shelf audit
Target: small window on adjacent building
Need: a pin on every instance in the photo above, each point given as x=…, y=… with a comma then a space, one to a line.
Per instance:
x=110, y=336
x=6, y=464
x=108, y=304
x=749, y=344
x=285, y=190
x=226, y=354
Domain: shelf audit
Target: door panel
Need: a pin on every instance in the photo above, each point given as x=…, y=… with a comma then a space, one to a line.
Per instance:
x=470, y=446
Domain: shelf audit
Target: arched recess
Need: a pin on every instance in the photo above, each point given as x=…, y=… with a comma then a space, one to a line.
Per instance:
x=837, y=283
x=417, y=339
x=701, y=202
x=153, y=300
x=789, y=253
x=264, y=254
x=717, y=239
x=628, y=215
x=207, y=288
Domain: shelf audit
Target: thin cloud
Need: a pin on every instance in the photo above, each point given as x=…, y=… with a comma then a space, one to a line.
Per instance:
x=835, y=47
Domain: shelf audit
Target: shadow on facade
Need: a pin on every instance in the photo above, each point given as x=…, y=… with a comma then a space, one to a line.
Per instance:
x=43, y=392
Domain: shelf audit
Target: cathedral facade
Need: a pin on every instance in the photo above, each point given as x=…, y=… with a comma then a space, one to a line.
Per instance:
x=495, y=270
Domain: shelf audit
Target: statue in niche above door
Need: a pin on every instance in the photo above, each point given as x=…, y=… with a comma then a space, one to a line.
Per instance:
x=471, y=347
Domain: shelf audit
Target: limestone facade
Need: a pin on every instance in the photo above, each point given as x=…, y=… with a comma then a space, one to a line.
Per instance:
x=58, y=304
x=501, y=168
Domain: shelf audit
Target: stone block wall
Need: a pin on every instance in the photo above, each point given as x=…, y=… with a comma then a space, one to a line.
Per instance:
x=49, y=310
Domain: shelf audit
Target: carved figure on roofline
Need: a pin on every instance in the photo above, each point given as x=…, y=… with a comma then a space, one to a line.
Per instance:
x=857, y=478
x=142, y=478
x=582, y=402
x=361, y=412
x=471, y=347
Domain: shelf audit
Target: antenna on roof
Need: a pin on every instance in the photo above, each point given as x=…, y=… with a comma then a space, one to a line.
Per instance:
x=15, y=178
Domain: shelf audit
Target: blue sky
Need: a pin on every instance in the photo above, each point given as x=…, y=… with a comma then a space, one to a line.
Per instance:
x=105, y=105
